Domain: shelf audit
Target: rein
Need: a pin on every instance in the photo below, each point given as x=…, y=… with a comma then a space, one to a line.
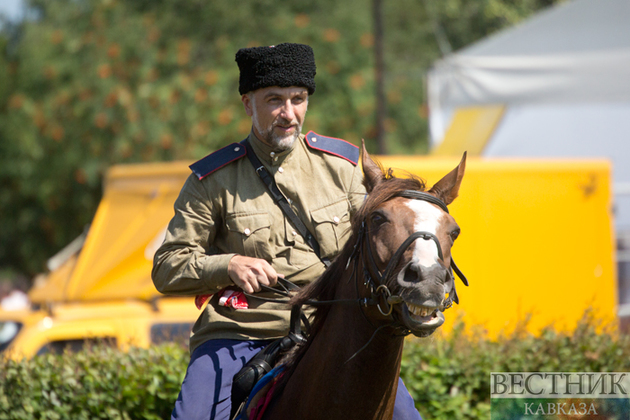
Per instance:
x=374, y=280
x=380, y=289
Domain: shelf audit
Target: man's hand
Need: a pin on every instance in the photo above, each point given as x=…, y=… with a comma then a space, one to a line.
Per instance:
x=249, y=273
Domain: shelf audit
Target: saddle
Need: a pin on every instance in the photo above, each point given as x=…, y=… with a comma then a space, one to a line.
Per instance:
x=261, y=396
x=263, y=362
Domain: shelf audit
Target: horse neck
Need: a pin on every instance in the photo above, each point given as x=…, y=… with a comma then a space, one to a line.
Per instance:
x=349, y=385
x=360, y=346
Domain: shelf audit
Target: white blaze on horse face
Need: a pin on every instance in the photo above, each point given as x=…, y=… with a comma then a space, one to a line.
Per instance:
x=428, y=218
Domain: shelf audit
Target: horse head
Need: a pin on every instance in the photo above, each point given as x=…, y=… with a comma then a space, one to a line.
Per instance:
x=408, y=238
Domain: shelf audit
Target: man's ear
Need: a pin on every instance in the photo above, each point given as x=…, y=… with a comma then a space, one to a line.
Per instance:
x=247, y=103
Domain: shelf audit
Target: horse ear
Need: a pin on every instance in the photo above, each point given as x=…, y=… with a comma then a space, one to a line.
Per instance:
x=372, y=173
x=447, y=188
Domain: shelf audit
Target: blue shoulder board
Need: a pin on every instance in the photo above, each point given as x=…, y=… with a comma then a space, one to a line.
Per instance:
x=333, y=146
x=217, y=160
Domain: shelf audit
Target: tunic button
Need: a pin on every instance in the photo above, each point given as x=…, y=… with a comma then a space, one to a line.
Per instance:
x=315, y=140
x=236, y=149
x=280, y=169
x=272, y=154
x=247, y=232
x=336, y=220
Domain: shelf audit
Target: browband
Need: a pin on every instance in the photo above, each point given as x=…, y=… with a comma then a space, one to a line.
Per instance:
x=421, y=195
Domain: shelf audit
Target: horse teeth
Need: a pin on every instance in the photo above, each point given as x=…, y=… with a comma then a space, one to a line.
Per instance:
x=420, y=310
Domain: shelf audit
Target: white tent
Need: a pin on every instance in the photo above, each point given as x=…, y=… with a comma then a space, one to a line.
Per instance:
x=563, y=78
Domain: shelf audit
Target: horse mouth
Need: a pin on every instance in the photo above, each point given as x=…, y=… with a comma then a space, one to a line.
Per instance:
x=418, y=312
x=421, y=320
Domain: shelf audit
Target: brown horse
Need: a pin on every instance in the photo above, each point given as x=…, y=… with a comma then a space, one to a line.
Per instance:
x=397, y=267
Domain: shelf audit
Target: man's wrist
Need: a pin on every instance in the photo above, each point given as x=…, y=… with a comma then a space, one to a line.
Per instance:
x=215, y=271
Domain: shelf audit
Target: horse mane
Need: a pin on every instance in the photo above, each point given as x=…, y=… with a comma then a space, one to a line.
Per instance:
x=325, y=288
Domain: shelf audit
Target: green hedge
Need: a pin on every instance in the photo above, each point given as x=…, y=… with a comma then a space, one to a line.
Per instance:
x=449, y=377
x=100, y=383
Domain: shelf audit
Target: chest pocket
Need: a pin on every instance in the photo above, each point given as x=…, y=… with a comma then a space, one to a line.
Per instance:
x=332, y=227
x=249, y=234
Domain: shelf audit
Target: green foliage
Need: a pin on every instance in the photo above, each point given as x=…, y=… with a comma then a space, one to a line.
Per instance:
x=90, y=83
x=100, y=383
x=448, y=377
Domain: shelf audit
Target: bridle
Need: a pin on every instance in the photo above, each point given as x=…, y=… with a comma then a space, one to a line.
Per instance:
x=375, y=281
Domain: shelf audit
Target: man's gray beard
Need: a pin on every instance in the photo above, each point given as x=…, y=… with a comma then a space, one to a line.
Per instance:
x=278, y=143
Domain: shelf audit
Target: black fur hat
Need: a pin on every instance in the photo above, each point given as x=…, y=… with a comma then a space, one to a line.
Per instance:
x=281, y=65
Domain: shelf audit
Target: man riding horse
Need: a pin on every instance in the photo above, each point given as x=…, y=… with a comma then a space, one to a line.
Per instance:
x=230, y=236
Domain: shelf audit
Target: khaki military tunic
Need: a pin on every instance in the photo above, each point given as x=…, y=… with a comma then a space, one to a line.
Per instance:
x=230, y=212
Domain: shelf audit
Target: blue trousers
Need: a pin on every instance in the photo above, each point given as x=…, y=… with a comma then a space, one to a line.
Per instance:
x=206, y=389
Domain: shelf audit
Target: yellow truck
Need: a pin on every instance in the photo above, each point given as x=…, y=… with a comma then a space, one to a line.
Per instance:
x=537, y=243
x=99, y=288
x=74, y=325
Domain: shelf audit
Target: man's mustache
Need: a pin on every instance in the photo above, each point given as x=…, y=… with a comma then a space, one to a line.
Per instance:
x=285, y=122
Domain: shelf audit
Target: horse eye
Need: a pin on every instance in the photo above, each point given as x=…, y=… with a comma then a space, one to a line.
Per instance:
x=378, y=219
x=455, y=234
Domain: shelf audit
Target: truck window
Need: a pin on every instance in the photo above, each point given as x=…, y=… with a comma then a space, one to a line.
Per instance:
x=171, y=332
x=73, y=346
x=8, y=331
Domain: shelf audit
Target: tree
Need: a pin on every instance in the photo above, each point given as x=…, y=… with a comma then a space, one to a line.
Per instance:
x=90, y=83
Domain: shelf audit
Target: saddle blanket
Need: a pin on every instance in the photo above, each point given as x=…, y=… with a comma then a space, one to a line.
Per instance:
x=261, y=395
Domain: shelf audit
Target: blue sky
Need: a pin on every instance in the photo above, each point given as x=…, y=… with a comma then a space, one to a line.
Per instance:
x=11, y=8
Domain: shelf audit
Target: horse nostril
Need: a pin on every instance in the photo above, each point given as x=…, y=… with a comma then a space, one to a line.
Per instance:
x=413, y=273
x=417, y=268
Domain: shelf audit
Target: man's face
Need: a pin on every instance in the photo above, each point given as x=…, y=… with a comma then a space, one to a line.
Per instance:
x=277, y=114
